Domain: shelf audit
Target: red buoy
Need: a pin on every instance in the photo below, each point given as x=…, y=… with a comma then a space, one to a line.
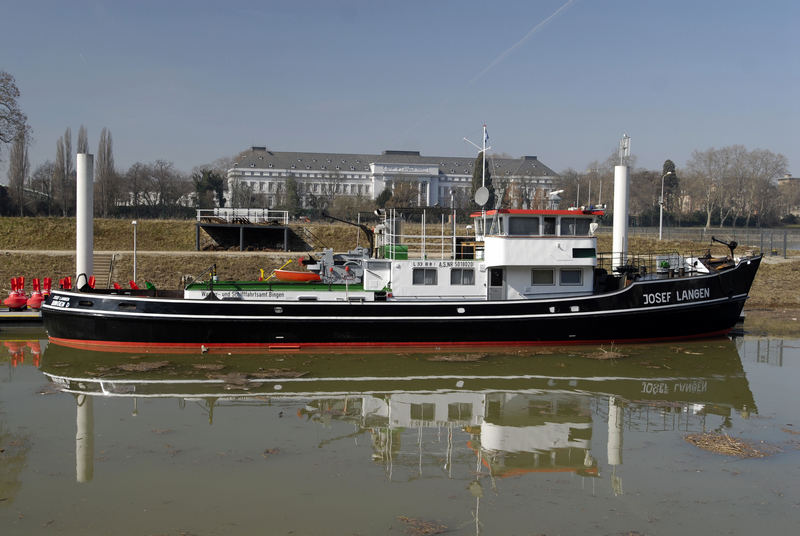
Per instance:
x=36, y=299
x=17, y=300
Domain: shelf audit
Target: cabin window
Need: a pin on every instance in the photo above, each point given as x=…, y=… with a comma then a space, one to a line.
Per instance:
x=542, y=277
x=583, y=253
x=523, y=226
x=575, y=226
x=422, y=412
x=462, y=276
x=571, y=277
x=425, y=276
x=549, y=226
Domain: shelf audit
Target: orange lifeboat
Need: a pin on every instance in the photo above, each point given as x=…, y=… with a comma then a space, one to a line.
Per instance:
x=302, y=277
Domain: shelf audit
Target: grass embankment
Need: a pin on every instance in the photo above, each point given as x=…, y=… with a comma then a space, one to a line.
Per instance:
x=166, y=252
x=44, y=247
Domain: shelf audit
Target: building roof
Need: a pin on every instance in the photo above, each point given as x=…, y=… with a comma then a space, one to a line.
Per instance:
x=263, y=158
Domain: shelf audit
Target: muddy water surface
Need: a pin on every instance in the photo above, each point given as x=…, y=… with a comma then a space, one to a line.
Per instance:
x=546, y=441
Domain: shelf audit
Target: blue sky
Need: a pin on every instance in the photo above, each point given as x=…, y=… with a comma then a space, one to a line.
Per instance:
x=193, y=81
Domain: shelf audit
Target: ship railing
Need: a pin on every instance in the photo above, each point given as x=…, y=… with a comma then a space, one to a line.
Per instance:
x=257, y=216
x=664, y=263
x=442, y=239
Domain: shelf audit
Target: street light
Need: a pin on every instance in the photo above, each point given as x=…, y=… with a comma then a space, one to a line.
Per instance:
x=661, y=203
x=134, y=249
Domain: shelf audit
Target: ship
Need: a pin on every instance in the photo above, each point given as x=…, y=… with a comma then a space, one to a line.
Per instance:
x=523, y=277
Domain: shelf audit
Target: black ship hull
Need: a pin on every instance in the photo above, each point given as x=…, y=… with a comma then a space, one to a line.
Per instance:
x=658, y=309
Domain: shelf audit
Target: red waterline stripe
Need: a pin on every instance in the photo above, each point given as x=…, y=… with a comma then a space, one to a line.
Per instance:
x=177, y=347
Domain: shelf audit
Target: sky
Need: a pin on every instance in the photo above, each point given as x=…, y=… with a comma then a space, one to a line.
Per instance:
x=190, y=82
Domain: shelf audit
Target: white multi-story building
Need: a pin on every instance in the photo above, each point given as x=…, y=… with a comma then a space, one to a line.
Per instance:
x=439, y=179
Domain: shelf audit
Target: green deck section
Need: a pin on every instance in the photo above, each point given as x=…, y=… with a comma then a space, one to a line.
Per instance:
x=269, y=285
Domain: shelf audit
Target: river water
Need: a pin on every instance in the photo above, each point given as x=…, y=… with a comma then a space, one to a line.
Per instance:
x=520, y=441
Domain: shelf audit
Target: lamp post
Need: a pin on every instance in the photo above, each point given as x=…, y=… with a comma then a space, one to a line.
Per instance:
x=134, y=222
x=661, y=204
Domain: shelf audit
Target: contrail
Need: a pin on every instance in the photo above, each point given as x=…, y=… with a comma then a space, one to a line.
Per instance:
x=519, y=43
x=494, y=62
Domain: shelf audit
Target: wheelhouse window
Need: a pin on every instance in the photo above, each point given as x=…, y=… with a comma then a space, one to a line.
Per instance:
x=523, y=226
x=462, y=276
x=425, y=276
x=575, y=226
x=571, y=277
x=549, y=226
x=542, y=277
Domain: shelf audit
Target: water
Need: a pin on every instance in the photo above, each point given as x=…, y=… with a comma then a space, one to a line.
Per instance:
x=544, y=441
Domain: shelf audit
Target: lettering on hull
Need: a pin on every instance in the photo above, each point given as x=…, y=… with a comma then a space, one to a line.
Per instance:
x=684, y=295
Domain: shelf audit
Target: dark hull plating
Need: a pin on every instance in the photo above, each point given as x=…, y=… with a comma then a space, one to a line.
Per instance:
x=645, y=310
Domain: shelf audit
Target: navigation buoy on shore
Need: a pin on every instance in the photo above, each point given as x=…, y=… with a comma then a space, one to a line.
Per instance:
x=17, y=300
x=37, y=297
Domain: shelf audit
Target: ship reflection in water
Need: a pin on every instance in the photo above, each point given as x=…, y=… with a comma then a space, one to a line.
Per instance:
x=487, y=416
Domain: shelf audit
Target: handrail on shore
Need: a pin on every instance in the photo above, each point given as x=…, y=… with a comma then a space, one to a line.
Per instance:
x=242, y=216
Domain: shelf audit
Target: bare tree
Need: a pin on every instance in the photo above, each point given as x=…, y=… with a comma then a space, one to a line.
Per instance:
x=18, y=169
x=137, y=180
x=42, y=184
x=764, y=167
x=105, y=175
x=69, y=173
x=736, y=183
x=63, y=173
x=404, y=194
x=705, y=169
x=60, y=175
x=241, y=194
x=167, y=184
x=569, y=180
x=645, y=190
x=83, y=141
x=12, y=120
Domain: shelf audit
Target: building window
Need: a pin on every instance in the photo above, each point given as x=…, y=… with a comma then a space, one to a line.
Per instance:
x=571, y=277
x=425, y=276
x=459, y=411
x=542, y=277
x=422, y=412
x=462, y=276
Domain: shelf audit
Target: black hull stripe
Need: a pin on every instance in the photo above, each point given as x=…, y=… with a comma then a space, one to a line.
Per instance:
x=370, y=318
